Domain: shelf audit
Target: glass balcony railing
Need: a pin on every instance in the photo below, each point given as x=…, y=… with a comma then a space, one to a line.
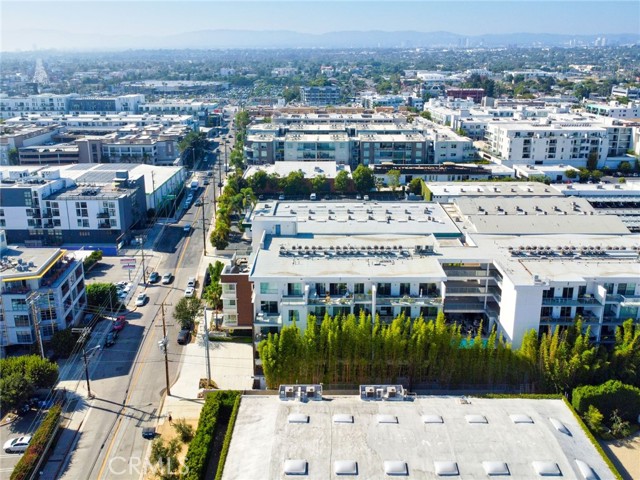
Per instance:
x=268, y=319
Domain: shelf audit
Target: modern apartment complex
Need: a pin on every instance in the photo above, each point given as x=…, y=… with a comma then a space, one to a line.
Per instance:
x=320, y=96
x=355, y=139
x=514, y=264
x=94, y=205
x=42, y=288
x=47, y=102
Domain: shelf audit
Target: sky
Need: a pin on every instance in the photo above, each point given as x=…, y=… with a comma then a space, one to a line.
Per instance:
x=153, y=18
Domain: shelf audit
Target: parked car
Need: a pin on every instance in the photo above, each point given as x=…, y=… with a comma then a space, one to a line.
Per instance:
x=17, y=445
x=167, y=278
x=149, y=433
x=281, y=197
x=184, y=337
x=119, y=323
x=141, y=300
x=191, y=282
x=110, y=339
x=154, y=277
x=366, y=198
x=313, y=196
x=187, y=228
x=205, y=182
x=189, y=292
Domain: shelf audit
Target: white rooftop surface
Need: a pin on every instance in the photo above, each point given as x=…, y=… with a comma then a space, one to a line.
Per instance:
x=521, y=270
x=310, y=169
x=532, y=216
x=492, y=189
x=629, y=188
x=362, y=217
x=544, y=169
x=263, y=440
x=269, y=262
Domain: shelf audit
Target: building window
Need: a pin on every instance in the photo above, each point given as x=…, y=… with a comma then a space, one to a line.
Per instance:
x=83, y=223
x=19, y=304
x=294, y=316
x=23, y=337
x=268, y=288
x=21, y=321
x=81, y=209
x=294, y=289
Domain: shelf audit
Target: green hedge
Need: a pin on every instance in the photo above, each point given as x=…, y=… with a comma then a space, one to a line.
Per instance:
x=37, y=445
x=227, y=438
x=200, y=447
x=610, y=396
x=92, y=259
x=593, y=440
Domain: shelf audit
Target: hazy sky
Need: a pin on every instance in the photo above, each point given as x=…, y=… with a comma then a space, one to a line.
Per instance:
x=147, y=17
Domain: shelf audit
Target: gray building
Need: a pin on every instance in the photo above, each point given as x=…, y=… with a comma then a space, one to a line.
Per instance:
x=320, y=96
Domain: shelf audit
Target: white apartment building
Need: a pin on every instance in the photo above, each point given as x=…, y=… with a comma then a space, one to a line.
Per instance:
x=45, y=102
x=531, y=74
x=41, y=288
x=615, y=109
x=421, y=258
x=24, y=136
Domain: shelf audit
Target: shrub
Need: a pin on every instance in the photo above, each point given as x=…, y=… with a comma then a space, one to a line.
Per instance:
x=227, y=438
x=183, y=429
x=593, y=418
x=37, y=445
x=200, y=447
x=607, y=398
x=92, y=259
x=619, y=428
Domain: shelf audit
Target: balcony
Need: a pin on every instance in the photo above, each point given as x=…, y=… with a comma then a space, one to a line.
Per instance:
x=363, y=298
x=345, y=300
x=104, y=225
x=585, y=300
x=103, y=214
x=268, y=319
x=613, y=298
x=466, y=272
x=408, y=300
x=293, y=300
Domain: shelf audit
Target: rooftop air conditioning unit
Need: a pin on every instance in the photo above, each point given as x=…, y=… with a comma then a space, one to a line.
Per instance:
x=391, y=392
x=288, y=391
x=370, y=392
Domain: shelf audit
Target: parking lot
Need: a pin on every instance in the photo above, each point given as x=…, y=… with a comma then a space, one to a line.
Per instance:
x=24, y=425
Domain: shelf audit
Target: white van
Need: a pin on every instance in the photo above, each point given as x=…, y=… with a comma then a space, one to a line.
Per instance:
x=313, y=196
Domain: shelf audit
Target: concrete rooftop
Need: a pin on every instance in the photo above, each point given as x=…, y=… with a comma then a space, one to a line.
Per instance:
x=264, y=439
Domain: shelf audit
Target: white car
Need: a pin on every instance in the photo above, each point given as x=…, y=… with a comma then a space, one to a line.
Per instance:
x=17, y=445
x=191, y=282
x=189, y=292
x=141, y=300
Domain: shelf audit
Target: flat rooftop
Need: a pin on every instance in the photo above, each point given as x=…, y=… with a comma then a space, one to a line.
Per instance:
x=491, y=189
x=347, y=255
x=362, y=217
x=263, y=428
x=18, y=262
x=310, y=169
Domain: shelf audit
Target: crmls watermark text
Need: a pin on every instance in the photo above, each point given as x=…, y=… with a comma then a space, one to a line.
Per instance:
x=121, y=466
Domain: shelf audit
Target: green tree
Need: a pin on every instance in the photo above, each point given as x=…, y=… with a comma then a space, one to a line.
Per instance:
x=165, y=458
x=363, y=179
x=186, y=310
x=320, y=184
x=258, y=181
x=596, y=175
x=63, y=342
x=101, y=294
x=592, y=159
x=196, y=144
x=20, y=376
x=342, y=182
x=394, y=179
x=426, y=114
x=184, y=430
x=14, y=156
x=593, y=418
x=571, y=173
x=415, y=186
x=15, y=390
x=295, y=184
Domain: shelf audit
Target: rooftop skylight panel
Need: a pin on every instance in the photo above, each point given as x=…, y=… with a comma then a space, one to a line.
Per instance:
x=396, y=468
x=345, y=467
x=476, y=419
x=586, y=471
x=342, y=418
x=493, y=468
x=520, y=418
x=546, y=469
x=298, y=418
x=432, y=419
x=446, y=468
x=387, y=418
x=295, y=467
x=561, y=427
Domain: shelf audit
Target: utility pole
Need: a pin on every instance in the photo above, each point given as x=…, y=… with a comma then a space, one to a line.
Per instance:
x=36, y=320
x=84, y=334
x=204, y=228
x=141, y=239
x=206, y=346
x=163, y=346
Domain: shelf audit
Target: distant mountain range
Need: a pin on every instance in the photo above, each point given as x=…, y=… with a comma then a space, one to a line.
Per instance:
x=210, y=39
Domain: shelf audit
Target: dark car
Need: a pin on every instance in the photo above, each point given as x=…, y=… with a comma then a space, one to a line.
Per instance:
x=154, y=277
x=111, y=338
x=184, y=337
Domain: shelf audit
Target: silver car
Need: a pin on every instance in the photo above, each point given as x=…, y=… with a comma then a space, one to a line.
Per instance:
x=17, y=445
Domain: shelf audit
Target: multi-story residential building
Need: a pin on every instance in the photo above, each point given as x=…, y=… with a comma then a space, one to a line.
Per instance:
x=43, y=289
x=368, y=140
x=615, y=109
x=207, y=113
x=18, y=136
x=320, y=96
x=530, y=74
x=45, y=102
x=96, y=205
x=475, y=94
x=374, y=100
x=632, y=93
x=122, y=103
x=515, y=265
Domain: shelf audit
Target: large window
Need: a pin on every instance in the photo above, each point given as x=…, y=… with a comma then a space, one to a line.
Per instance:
x=23, y=337
x=81, y=209
x=268, y=288
x=384, y=289
x=294, y=316
x=294, y=289
x=337, y=288
x=21, y=320
x=269, y=307
x=18, y=304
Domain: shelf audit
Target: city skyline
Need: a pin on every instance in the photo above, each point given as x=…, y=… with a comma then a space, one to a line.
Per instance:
x=46, y=23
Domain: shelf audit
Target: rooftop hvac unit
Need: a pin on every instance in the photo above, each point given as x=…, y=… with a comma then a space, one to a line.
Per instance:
x=311, y=391
x=391, y=392
x=288, y=392
x=370, y=392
